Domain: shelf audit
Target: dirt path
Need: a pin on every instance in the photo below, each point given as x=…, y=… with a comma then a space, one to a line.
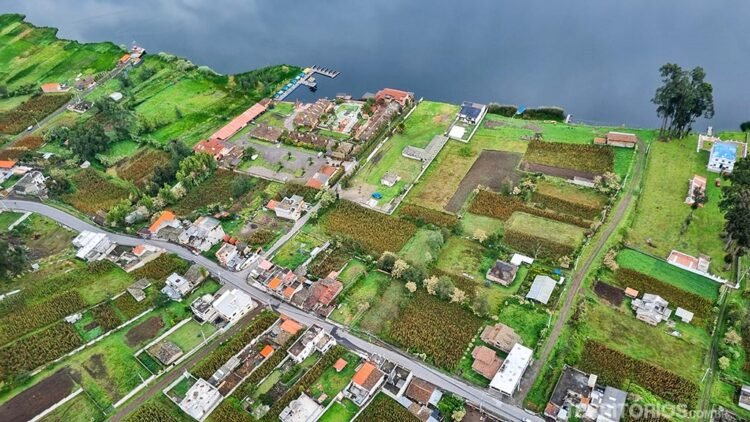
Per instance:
x=178, y=370
x=528, y=380
x=705, y=403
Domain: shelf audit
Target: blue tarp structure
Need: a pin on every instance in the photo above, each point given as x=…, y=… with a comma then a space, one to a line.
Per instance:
x=376, y=195
x=521, y=109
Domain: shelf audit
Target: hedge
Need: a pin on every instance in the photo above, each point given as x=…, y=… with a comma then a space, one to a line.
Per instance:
x=544, y=113
x=421, y=215
x=616, y=368
x=506, y=110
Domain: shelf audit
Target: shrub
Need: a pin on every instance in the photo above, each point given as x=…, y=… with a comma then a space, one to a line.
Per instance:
x=544, y=113
x=616, y=368
x=506, y=110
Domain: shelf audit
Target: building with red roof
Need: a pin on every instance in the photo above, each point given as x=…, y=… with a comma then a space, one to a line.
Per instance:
x=166, y=218
x=7, y=164
x=389, y=94
x=239, y=122
x=215, y=147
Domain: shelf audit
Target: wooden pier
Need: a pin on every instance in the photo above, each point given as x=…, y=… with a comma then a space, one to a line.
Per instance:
x=307, y=78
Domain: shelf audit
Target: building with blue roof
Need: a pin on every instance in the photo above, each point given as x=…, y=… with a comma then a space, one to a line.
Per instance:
x=724, y=154
x=471, y=112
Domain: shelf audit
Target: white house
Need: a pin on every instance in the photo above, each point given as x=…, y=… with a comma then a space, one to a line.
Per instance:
x=509, y=376
x=200, y=400
x=233, y=304
x=290, y=208
x=315, y=338
x=176, y=287
x=92, y=246
x=202, y=234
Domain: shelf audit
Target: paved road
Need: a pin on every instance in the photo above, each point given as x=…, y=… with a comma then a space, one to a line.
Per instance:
x=488, y=400
x=176, y=372
x=530, y=377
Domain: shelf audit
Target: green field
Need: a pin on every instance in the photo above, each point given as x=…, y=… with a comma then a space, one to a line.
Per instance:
x=32, y=55
x=661, y=210
x=359, y=297
x=545, y=228
x=384, y=308
x=353, y=271
x=331, y=382
x=685, y=280
x=7, y=218
x=470, y=223
x=427, y=120
x=297, y=250
x=191, y=335
x=276, y=116
x=423, y=248
x=527, y=320
x=464, y=257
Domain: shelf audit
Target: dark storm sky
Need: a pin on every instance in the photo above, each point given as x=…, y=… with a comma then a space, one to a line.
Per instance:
x=597, y=59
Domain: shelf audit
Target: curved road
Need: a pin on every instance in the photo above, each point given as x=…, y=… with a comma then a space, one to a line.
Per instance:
x=530, y=377
x=486, y=399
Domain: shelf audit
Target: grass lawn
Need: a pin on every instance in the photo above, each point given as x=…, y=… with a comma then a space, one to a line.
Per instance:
x=669, y=274
x=191, y=335
x=353, y=271
x=384, y=309
x=80, y=409
x=727, y=396
x=683, y=356
x=120, y=150
x=427, y=120
x=43, y=236
x=420, y=249
x=331, y=382
x=7, y=218
x=342, y=411
x=297, y=250
x=472, y=222
x=275, y=117
x=464, y=257
x=359, y=297
x=661, y=210
x=527, y=320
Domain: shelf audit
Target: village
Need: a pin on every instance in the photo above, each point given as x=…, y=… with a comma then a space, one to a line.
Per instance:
x=231, y=254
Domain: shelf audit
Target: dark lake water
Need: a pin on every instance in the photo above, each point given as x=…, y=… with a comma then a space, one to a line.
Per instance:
x=597, y=59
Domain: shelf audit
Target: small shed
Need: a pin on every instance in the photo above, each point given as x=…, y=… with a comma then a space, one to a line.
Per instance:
x=542, y=288
x=115, y=96
x=631, y=292
x=684, y=315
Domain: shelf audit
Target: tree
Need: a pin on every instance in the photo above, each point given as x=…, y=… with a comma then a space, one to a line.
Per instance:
x=387, y=261
x=411, y=286
x=458, y=415
x=699, y=198
x=458, y=296
x=57, y=135
x=745, y=126
x=480, y=235
x=608, y=183
x=481, y=306
x=88, y=139
x=399, y=267
x=117, y=214
x=737, y=216
x=731, y=337
x=195, y=169
x=58, y=183
x=400, y=128
x=430, y=284
x=445, y=287
x=724, y=363
x=12, y=259
x=240, y=186
x=683, y=97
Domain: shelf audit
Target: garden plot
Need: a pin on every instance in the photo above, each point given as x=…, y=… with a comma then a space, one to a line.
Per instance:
x=345, y=117
x=569, y=160
x=542, y=237
x=342, y=411
x=426, y=121
x=140, y=167
x=38, y=398
x=357, y=299
x=492, y=169
x=95, y=192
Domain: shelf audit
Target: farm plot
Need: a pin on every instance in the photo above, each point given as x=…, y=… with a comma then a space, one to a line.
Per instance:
x=568, y=199
x=16, y=150
x=439, y=329
x=542, y=237
x=493, y=170
x=38, y=398
x=502, y=207
x=384, y=409
x=422, y=215
x=568, y=160
x=30, y=112
x=384, y=308
x=94, y=192
x=661, y=212
x=220, y=186
x=427, y=120
x=139, y=169
x=79, y=409
x=375, y=232
x=42, y=237
x=424, y=248
x=464, y=258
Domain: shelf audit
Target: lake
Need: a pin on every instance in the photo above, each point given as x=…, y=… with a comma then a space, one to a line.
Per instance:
x=597, y=59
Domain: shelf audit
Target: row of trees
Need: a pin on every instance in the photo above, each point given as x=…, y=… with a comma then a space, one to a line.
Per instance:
x=735, y=203
x=683, y=97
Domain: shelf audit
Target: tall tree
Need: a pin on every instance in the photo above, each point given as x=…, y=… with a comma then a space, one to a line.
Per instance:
x=88, y=139
x=12, y=259
x=735, y=203
x=683, y=97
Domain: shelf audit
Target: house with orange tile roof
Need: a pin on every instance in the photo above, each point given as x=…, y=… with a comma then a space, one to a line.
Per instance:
x=403, y=98
x=340, y=365
x=167, y=218
x=486, y=363
x=7, y=164
x=54, y=87
x=274, y=284
x=291, y=326
x=239, y=122
x=365, y=382
x=267, y=351
x=217, y=148
x=322, y=294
